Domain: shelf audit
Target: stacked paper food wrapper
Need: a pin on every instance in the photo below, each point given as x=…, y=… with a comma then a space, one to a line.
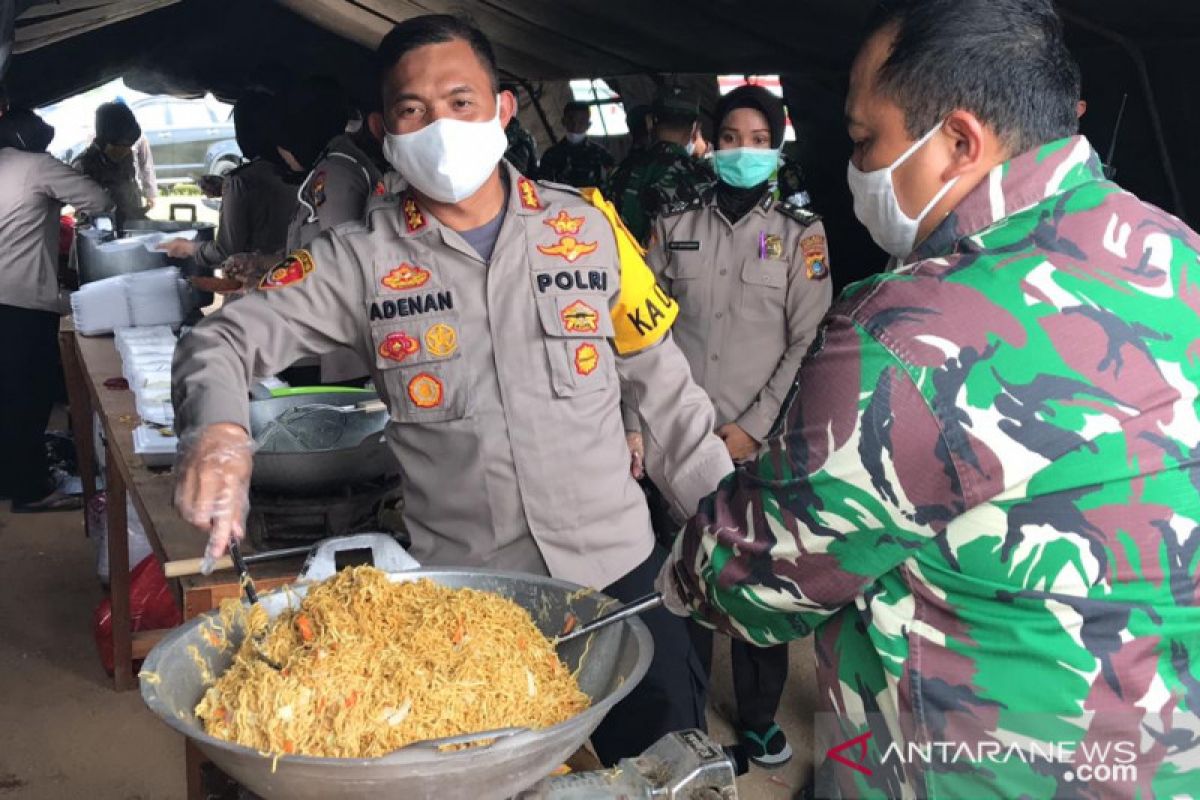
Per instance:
x=146, y=364
x=140, y=299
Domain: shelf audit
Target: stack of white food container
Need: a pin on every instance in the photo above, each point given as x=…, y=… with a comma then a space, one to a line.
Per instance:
x=152, y=297
x=146, y=363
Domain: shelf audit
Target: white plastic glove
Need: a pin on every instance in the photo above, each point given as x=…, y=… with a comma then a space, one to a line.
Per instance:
x=212, y=490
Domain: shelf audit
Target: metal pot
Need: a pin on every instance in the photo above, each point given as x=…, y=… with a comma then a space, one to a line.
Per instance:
x=614, y=660
x=96, y=264
x=320, y=471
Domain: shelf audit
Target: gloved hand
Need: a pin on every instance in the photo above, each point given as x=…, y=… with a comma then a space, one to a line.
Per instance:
x=666, y=585
x=248, y=267
x=637, y=455
x=179, y=248
x=212, y=490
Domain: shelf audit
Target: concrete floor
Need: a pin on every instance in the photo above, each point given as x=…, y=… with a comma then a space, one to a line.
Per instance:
x=66, y=734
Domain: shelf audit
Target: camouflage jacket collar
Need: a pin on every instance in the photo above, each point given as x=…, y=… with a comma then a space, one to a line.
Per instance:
x=1025, y=181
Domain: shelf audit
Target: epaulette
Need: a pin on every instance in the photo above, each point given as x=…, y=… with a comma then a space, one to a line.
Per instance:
x=804, y=216
x=682, y=207
x=561, y=187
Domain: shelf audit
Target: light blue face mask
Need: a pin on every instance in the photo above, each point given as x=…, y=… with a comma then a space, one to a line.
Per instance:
x=745, y=167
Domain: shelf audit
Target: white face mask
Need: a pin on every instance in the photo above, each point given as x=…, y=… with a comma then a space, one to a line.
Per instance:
x=448, y=160
x=876, y=205
x=576, y=138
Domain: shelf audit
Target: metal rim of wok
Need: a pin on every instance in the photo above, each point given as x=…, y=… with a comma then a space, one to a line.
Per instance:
x=410, y=755
x=366, y=460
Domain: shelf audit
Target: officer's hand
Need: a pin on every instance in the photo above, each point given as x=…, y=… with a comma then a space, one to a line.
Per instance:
x=637, y=455
x=740, y=444
x=212, y=490
x=211, y=185
x=666, y=585
x=178, y=248
x=149, y=203
x=248, y=267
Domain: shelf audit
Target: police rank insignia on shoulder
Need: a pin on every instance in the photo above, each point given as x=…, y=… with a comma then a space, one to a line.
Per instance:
x=815, y=260
x=318, y=189
x=528, y=193
x=801, y=215
x=414, y=220
x=292, y=270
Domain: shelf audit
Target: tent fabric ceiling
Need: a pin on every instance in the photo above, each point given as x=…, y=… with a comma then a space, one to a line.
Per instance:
x=535, y=39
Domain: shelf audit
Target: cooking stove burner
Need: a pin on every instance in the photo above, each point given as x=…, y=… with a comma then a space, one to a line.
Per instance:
x=286, y=520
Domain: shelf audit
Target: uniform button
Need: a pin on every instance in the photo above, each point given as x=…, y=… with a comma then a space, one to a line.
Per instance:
x=715, y=357
x=720, y=314
x=724, y=271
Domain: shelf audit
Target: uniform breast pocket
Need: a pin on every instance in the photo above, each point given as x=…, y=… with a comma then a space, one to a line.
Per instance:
x=764, y=289
x=420, y=362
x=577, y=329
x=683, y=276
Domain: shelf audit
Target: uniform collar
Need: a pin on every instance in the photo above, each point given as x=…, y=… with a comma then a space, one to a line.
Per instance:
x=671, y=148
x=524, y=199
x=1018, y=184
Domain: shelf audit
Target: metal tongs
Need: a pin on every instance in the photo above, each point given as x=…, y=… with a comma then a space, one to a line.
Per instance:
x=639, y=606
x=239, y=564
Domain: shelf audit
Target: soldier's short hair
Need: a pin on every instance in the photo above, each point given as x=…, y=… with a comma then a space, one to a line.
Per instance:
x=1005, y=61
x=576, y=107
x=434, y=29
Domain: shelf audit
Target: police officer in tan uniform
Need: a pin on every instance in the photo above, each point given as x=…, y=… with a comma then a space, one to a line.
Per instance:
x=34, y=186
x=258, y=199
x=498, y=316
x=751, y=276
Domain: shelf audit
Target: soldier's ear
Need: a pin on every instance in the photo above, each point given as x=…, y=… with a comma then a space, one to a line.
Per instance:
x=375, y=125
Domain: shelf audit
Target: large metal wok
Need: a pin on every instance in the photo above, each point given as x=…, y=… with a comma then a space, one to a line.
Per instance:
x=363, y=456
x=616, y=659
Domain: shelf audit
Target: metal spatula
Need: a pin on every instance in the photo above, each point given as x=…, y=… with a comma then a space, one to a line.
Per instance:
x=639, y=606
x=235, y=553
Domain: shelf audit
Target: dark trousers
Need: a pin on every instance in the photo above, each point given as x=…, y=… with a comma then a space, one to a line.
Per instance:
x=759, y=674
x=29, y=368
x=672, y=695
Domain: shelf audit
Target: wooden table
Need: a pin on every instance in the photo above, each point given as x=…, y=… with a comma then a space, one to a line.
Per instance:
x=87, y=363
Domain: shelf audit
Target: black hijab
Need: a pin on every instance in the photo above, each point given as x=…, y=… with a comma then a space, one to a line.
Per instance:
x=24, y=130
x=314, y=111
x=733, y=201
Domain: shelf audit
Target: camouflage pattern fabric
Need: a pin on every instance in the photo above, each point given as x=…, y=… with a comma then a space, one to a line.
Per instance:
x=522, y=149
x=119, y=179
x=580, y=165
x=788, y=184
x=983, y=494
x=664, y=180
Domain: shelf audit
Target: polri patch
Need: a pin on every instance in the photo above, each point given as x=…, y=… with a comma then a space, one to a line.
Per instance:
x=587, y=358
x=399, y=346
x=579, y=317
x=425, y=391
x=441, y=340
x=289, y=272
x=406, y=276
x=812, y=248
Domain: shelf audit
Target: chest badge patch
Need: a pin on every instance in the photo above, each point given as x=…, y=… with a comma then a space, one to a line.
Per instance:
x=565, y=224
x=425, y=391
x=441, y=340
x=399, y=346
x=569, y=248
x=579, y=317
x=772, y=247
x=815, y=260
x=587, y=358
x=414, y=220
x=406, y=276
x=292, y=270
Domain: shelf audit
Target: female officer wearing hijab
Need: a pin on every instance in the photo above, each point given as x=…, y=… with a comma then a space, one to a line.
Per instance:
x=34, y=186
x=258, y=198
x=108, y=160
x=750, y=274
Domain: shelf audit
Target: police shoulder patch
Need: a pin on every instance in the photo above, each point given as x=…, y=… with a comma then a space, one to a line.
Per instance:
x=802, y=215
x=292, y=270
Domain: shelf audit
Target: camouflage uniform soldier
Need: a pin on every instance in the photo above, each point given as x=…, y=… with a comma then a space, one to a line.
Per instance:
x=575, y=160
x=667, y=177
x=522, y=149
x=983, y=494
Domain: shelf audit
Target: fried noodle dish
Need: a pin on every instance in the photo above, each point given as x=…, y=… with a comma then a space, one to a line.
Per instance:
x=370, y=666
